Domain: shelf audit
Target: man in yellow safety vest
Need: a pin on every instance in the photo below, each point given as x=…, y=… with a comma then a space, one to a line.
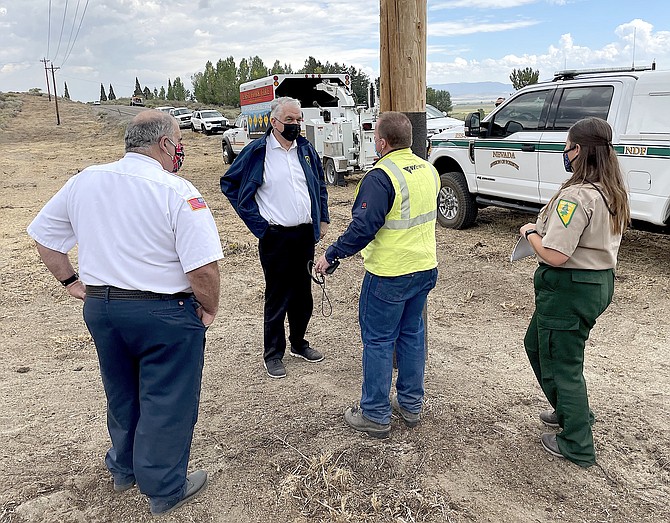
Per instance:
x=393, y=226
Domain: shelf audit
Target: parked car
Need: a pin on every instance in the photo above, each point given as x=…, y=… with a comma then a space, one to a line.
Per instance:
x=183, y=116
x=137, y=100
x=208, y=121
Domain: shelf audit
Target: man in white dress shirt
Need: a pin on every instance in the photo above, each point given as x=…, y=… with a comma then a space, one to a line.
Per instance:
x=277, y=187
x=148, y=259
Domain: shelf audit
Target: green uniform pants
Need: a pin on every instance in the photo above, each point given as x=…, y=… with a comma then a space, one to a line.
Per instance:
x=567, y=303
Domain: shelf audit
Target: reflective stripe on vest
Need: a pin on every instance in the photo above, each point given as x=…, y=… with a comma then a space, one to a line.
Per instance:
x=405, y=221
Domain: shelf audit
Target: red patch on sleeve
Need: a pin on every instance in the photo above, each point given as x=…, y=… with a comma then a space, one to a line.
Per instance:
x=364, y=205
x=197, y=204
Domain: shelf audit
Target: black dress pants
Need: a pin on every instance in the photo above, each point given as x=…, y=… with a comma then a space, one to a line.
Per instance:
x=284, y=253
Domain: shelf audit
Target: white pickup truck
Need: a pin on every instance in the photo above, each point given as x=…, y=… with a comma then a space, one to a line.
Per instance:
x=513, y=157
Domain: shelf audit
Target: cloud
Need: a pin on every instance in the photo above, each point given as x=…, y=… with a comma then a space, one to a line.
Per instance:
x=472, y=27
x=480, y=4
x=566, y=53
x=14, y=67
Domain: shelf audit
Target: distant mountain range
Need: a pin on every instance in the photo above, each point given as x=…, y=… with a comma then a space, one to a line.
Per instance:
x=475, y=91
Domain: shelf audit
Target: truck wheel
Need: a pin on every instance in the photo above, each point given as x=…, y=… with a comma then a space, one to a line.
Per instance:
x=332, y=176
x=204, y=131
x=193, y=128
x=228, y=154
x=456, y=208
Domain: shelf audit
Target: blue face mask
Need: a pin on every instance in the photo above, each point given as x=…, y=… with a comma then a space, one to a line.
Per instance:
x=378, y=153
x=567, y=163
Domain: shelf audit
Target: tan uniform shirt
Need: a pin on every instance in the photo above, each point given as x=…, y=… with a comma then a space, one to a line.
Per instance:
x=578, y=225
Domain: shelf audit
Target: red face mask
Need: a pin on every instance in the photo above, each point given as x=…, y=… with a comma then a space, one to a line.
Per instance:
x=178, y=158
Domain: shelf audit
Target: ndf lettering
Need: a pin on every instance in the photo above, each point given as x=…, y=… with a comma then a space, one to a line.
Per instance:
x=635, y=150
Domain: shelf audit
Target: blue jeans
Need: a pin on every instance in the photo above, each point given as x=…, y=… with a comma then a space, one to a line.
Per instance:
x=389, y=312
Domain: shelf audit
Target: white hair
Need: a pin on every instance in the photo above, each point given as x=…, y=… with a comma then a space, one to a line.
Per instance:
x=278, y=105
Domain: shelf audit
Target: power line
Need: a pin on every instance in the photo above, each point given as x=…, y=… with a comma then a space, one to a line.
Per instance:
x=76, y=35
x=62, y=26
x=49, y=31
x=74, y=20
x=70, y=77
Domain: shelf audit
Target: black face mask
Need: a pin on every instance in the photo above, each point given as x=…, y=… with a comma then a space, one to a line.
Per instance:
x=291, y=131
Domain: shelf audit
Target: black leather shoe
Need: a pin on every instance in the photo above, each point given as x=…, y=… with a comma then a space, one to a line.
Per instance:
x=550, y=445
x=307, y=354
x=275, y=368
x=549, y=418
x=195, y=484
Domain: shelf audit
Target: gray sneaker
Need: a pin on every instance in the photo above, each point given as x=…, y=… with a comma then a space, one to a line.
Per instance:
x=550, y=445
x=307, y=354
x=275, y=368
x=355, y=419
x=410, y=418
x=549, y=418
x=195, y=484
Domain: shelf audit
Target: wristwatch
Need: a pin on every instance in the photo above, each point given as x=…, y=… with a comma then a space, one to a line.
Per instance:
x=529, y=232
x=70, y=280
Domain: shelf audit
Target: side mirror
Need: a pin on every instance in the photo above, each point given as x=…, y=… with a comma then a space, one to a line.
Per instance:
x=326, y=116
x=472, y=124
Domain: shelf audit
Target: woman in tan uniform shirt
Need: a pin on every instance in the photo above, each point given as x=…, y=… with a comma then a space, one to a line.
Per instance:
x=576, y=239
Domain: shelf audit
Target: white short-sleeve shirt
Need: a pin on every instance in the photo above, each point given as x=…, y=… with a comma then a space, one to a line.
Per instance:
x=137, y=226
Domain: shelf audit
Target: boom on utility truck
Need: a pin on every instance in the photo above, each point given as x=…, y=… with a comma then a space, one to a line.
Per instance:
x=341, y=132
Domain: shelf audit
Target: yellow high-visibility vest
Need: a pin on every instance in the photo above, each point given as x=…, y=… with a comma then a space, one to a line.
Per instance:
x=406, y=241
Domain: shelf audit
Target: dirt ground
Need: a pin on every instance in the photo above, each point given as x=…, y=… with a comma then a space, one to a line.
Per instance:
x=278, y=450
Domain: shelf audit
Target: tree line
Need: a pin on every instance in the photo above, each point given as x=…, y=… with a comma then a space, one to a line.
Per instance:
x=220, y=84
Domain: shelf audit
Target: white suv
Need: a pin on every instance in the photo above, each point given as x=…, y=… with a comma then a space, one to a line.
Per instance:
x=208, y=121
x=183, y=116
x=513, y=158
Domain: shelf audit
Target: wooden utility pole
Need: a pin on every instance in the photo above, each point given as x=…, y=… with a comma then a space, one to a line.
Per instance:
x=403, y=64
x=53, y=77
x=46, y=73
x=402, y=83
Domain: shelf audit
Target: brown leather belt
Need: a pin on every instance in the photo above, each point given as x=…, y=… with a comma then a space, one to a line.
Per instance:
x=108, y=292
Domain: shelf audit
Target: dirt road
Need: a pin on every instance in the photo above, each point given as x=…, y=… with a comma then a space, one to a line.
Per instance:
x=278, y=450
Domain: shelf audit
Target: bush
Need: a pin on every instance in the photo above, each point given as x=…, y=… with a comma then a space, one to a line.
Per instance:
x=10, y=106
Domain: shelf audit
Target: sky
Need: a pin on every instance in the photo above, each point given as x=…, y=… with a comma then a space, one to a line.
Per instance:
x=115, y=41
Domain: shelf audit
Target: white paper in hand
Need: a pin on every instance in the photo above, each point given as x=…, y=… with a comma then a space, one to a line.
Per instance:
x=521, y=250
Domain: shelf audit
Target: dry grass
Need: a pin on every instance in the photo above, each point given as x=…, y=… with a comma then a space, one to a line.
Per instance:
x=347, y=488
